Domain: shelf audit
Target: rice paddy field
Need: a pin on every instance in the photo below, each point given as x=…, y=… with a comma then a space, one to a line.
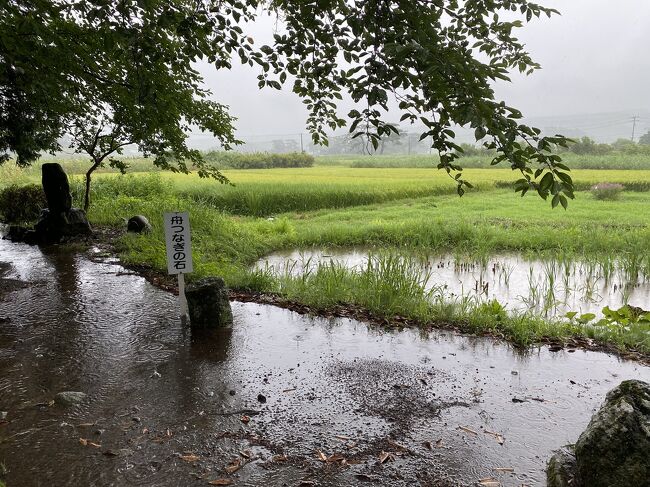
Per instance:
x=415, y=239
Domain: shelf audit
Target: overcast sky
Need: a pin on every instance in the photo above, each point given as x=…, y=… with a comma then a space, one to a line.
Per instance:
x=595, y=58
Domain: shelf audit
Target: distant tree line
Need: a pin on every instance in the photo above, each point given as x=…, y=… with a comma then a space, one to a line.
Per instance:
x=403, y=142
x=588, y=146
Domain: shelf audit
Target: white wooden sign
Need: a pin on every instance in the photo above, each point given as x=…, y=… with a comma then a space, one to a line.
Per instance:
x=178, y=243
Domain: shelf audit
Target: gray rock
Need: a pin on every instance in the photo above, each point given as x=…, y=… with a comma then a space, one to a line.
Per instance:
x=614, y=450
x=561, y=469
x=69, y=398
x=208, y=303
x=53, y=227
x=138, y=224
x=615, y=447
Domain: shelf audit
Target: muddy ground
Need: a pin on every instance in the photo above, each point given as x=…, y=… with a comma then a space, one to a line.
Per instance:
x=281, y=399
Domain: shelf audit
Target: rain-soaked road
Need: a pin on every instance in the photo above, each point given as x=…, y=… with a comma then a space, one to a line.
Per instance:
x=165, y=408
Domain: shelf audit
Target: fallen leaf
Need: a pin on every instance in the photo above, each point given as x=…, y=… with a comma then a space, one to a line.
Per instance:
x=94, y=445
x=504, y=469
x=220, y=482
x=321, y=456
x=245, y=419
x=336, y=457
x=51, y=403
x=384, y=456
x=280, y=458
x=489, y=482
x=497, y=436
x=439, y=443
x=233, y=466
x=467, y=430
x=189, y=458
x=83, y=441
x=246, y=454
x=427, y=445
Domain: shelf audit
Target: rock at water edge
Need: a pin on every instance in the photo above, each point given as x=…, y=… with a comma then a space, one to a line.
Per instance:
x=208, y=303
x=615, y=447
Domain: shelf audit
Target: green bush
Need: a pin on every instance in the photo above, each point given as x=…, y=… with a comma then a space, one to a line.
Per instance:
x=21, y=204
x=606, y=191
x=258, y=160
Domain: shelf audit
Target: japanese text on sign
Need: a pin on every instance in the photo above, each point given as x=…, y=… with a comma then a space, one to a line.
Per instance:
x=177, y=240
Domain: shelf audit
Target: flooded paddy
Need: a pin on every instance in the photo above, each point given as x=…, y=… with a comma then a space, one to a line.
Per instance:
x=548, y=288
x=281, y=399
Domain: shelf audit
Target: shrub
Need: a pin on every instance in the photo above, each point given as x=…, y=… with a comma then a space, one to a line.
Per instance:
x=20, y=204
x=606, y=191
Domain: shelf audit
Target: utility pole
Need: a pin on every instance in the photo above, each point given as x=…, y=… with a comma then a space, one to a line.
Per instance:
x=302, y=149
x=634, y=119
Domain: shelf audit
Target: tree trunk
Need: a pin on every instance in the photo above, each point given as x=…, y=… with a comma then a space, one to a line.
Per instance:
x=87, y=193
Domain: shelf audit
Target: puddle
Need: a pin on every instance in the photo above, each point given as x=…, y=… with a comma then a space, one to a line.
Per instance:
x=158, y=396
x=546, y=288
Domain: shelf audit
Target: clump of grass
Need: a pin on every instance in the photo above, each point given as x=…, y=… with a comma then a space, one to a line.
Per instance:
x=607, y=191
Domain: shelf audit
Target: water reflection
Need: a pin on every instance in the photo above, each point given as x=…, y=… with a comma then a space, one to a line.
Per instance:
x=543, y=287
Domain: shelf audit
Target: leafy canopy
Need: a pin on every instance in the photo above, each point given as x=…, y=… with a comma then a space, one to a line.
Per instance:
x=110, y=73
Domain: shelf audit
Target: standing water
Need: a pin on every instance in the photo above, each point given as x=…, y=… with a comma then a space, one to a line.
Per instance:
x=281, y=399
x=549, y=288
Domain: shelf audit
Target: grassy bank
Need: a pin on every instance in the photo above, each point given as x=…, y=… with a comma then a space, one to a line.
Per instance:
x=406, y=210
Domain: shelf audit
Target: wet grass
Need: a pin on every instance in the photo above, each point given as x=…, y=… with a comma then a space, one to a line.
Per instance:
x=394, y=287
x=408, y=210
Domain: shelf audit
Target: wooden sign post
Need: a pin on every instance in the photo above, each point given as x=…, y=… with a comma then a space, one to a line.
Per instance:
x=179, y=252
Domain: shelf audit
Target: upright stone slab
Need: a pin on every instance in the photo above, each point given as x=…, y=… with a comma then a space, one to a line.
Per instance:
x=208, y=303
x=59, y=220
x=56, y=188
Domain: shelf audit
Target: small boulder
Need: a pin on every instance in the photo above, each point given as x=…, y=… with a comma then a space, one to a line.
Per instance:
x=69, y=398
x=208, y=303
x=561, y=469
x=613, y=450
x=138, y=224
x=16, y=233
